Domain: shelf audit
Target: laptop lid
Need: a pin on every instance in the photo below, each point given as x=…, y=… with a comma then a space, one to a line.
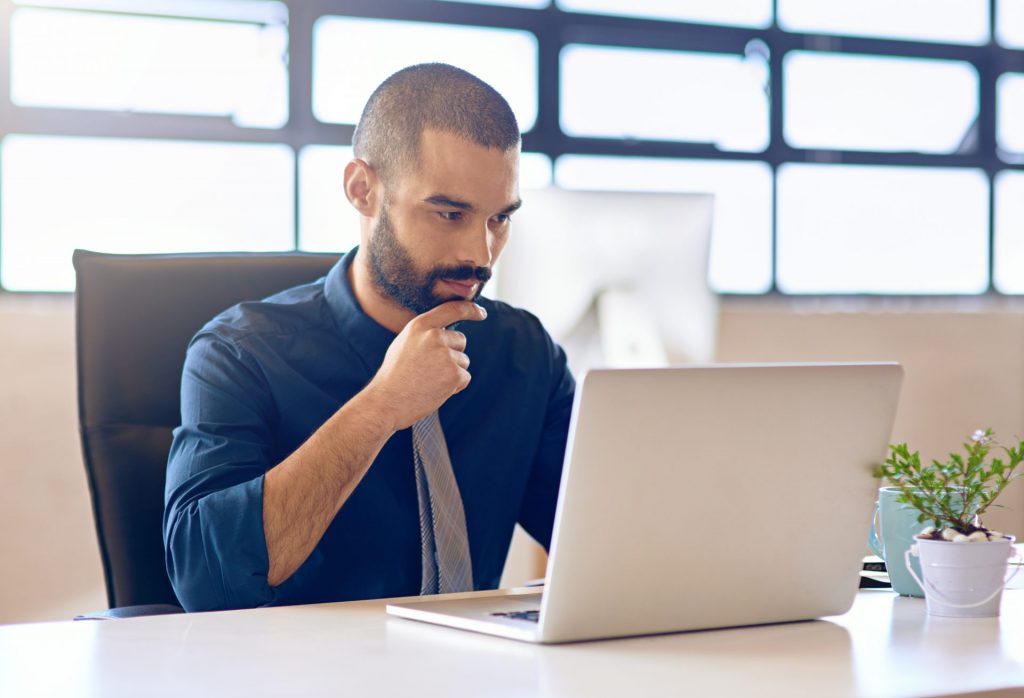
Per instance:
x=708, y=497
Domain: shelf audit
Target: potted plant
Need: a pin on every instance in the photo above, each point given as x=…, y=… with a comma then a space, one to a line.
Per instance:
x=963, y=563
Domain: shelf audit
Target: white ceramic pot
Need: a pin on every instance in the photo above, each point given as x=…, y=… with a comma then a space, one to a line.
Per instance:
x=963, y=580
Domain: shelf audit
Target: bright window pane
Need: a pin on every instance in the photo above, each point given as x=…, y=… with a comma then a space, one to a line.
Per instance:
x=741, y=13
x=257, y=11
x=352, y=56
x=665, y=95
x=741, y=242
x=328, y=223
x=954, y=21
x=1009, y=228
x=135, y=196
x=845, y=102
x=535, y=171
x=533, y=4
x=1010, y=23
x=849, y=229
x=150, y=64
x=1010, y=114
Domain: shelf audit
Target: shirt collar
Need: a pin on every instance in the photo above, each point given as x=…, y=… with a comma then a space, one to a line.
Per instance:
x=369, y=338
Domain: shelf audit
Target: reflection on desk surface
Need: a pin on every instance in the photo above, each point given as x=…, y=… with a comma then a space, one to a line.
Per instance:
x=886, y=646
x=706, y=663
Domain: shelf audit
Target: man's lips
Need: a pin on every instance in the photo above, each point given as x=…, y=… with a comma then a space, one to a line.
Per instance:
x=462, y=288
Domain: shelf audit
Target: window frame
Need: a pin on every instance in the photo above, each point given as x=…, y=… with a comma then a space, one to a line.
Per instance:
x=554, y=28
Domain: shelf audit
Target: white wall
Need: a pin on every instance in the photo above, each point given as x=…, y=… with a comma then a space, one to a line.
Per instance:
x=49, y=560
x=964, y=363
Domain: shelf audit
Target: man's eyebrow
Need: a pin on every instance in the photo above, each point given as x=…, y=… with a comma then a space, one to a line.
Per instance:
x=513, y=207
x=447, y=201
x=442, y=200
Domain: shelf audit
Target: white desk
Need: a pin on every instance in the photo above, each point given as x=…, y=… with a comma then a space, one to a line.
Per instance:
x=886, y=646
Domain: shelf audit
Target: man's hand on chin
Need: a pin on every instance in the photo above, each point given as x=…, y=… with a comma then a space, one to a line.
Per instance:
x=425, y=365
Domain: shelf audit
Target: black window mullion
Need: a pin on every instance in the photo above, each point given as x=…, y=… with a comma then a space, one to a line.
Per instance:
x=301, y=123
x=778, y=150
x=545, y=136
x=987, y=152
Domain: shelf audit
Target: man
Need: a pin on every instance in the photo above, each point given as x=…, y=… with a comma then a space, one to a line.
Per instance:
x=342, y=440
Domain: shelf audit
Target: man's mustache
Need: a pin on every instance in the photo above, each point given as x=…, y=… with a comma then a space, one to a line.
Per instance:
x=463, y=273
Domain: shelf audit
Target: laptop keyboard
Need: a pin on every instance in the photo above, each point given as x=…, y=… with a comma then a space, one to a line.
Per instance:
x=533, y=616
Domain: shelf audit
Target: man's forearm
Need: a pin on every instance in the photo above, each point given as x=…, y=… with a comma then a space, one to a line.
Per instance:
x=304, y=492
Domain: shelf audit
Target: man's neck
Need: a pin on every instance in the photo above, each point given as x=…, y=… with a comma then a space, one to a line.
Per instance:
x=381, y=309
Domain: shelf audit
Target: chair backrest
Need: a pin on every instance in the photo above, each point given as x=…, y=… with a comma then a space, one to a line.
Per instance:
x=135, y=315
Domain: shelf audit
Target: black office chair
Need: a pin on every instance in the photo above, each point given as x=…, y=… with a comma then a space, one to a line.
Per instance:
x=135, y=315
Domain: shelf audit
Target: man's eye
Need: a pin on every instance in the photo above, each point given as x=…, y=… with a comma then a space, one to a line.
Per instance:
x=502, y=218
x=450, y=215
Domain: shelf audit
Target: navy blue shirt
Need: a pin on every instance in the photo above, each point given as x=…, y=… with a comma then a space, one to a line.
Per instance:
x=261, y=377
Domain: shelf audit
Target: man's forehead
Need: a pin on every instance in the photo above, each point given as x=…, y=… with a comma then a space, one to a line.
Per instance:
x=448, y=138
x=456, y=168
x=439, y=146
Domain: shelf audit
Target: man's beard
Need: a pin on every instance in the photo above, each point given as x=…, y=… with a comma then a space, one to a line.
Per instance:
x=395, y=272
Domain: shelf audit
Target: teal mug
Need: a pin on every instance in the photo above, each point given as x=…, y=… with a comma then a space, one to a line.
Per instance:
x=892, y=533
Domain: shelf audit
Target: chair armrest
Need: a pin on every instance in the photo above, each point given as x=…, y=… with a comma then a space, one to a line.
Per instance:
x=155, y=609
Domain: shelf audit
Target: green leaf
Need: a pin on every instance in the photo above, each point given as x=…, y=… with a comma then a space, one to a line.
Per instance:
x=953, y=492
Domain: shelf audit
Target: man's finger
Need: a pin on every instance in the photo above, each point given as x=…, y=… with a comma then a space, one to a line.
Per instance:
x=451, y=312
x=460, y=359
x=464, y=379
x=456, y=340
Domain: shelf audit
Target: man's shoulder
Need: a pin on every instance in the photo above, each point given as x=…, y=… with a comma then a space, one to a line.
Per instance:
x=292, y=311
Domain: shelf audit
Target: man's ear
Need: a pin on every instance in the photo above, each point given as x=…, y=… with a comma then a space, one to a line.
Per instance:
x=362, y=187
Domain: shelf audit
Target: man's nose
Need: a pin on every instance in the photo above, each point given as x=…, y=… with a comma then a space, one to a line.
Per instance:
x=476, y=247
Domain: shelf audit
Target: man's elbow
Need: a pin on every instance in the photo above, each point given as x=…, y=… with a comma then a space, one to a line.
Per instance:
x=202, y=579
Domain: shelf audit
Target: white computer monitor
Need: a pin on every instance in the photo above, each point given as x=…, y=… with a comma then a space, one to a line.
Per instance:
x=618, y=278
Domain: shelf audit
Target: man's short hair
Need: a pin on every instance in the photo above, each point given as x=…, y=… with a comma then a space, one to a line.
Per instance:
x=430, y=96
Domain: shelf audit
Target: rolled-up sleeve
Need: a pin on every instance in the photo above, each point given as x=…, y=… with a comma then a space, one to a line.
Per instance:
x=537, y=515
x=214, y=542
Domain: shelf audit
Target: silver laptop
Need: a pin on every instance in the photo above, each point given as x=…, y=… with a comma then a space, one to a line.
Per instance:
x=703, y=497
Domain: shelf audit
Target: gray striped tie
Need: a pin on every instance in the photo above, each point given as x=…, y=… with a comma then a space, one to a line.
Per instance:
x=444, y=542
